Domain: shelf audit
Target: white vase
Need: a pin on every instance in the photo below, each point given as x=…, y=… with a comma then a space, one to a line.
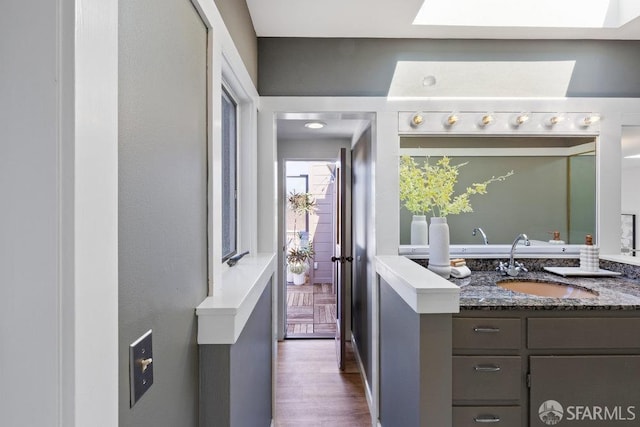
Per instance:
x=439, y=261
x=299, y=279
x=419, y=230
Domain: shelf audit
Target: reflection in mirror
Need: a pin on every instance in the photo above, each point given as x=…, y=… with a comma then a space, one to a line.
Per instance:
x=553, y=187
x=630, y=196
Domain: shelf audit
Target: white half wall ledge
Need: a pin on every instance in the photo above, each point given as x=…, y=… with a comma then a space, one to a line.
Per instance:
x=222, y=316
x=424, y=291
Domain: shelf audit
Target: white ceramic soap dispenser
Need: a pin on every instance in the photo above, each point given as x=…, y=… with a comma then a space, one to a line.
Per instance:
x=589, y=255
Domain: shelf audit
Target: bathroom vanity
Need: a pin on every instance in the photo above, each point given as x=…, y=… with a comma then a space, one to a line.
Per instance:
x=522, y=360
x=513, y=359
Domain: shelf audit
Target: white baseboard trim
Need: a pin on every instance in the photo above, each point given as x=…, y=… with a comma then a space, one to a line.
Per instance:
x=367, y=387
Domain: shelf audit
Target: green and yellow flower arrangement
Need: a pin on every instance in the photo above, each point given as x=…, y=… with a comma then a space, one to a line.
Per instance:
x=430, y=188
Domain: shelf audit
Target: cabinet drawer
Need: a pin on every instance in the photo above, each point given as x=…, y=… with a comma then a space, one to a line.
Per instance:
x=481, y=333
x=486, y=378
x=593, y=333
x=474, y=416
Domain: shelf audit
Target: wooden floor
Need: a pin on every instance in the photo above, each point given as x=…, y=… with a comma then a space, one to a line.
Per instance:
x=312, y=392
x=311, y=310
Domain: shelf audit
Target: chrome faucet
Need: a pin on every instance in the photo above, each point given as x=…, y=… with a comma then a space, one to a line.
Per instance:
x=484, y=236
x=514, y=267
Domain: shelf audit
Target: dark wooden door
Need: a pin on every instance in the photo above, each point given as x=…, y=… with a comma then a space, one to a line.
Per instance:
x=342, y=252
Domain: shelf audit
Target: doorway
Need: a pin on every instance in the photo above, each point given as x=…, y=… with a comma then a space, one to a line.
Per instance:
x=310, y=292
x=297, y=140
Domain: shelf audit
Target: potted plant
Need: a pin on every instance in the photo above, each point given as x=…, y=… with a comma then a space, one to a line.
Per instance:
x=431, y=188
x=298, y=262
x=300, y=248
x=301, y=203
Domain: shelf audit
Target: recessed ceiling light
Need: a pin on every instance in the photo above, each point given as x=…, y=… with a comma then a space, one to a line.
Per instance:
x=429, y=81
x=635, y=156
x=315, y=125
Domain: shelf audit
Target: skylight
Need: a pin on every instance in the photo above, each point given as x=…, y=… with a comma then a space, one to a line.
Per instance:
x=481, y=79
x=538, y=13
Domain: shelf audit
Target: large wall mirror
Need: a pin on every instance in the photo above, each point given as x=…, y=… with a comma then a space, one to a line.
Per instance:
x=553, y=186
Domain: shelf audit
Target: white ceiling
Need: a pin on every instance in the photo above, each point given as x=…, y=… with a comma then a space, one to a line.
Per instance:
x=294, y=129
x=394, y=19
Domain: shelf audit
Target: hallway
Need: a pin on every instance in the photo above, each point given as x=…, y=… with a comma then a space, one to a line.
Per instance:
x=312, y=392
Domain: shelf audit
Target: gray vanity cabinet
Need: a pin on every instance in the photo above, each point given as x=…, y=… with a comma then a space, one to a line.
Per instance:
x=584, y=391
x=487, y=372
x=537, y=368
x=592, y=377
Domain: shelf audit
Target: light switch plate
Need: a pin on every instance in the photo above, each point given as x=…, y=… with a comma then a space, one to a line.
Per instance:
x=140, y=367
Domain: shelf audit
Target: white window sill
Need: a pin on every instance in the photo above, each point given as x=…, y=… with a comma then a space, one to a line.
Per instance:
x=222, y=316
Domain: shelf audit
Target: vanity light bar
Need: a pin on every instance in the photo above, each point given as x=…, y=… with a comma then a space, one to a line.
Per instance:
x=497, y=122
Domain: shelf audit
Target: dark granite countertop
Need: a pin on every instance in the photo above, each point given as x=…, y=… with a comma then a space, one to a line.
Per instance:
x=480, y=292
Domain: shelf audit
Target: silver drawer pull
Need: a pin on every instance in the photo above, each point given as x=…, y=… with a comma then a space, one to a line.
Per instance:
x=487, y=420
x=486, y=330
x=487, y=368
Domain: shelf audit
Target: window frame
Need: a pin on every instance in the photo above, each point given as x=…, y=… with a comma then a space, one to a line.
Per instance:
x=227, y=93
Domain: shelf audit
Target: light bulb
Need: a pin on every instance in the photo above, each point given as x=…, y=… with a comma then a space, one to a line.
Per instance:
x=521, y=119
x=589, y=120
x=417, y=120
x=451, y=119
x=486, y=120
x=554, y=120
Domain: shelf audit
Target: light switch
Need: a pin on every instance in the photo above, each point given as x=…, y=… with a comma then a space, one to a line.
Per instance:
x=140, y=367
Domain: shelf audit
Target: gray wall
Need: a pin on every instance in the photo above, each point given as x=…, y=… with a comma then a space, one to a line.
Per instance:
x=162, y=203
x=237, y=19
x=399, y=360
x=362, y=288
x=364, y=67
x=235, y=380
x=30, y=248
x=415, y=364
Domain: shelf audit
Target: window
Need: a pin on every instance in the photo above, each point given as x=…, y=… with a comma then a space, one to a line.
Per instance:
x=229, y=176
